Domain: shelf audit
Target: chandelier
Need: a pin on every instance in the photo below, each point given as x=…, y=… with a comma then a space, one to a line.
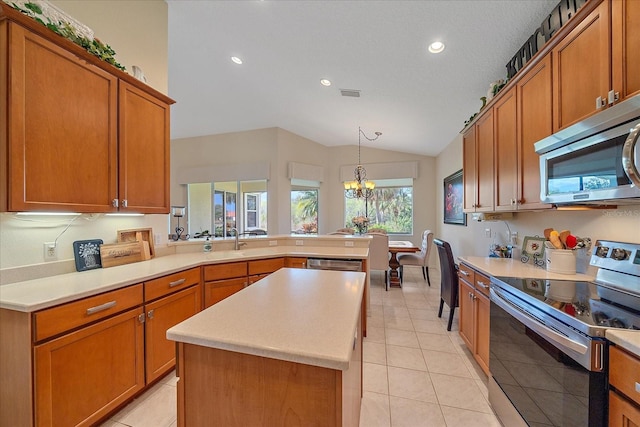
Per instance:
x=360, y=187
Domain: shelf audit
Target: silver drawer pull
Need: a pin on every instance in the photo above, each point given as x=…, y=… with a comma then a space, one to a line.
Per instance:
x=177, y=282
x=465, y=273
x=481, y=283
x=638, y=387
x=101, y=307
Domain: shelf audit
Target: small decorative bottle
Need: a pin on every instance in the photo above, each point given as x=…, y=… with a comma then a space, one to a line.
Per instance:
x=207, y=245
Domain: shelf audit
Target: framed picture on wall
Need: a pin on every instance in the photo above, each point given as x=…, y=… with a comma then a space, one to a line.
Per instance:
x=453, y=200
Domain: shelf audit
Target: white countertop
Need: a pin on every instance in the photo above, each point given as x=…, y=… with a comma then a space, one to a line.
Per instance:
x=508, y=267
x=629, y=340
x=297, y=315
x=33, y=295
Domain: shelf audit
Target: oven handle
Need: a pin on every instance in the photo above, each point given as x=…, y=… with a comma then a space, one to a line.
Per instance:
x=534, y=324
x=629, y=156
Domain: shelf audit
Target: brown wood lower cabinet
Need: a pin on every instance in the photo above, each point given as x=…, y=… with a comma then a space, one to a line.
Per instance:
x=162, y=314
x=474, y=304
x=82, y=376
x=226, y=388
x=624, y=391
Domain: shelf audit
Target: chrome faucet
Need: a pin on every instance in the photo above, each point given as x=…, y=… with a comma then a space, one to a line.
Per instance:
x=237, y=243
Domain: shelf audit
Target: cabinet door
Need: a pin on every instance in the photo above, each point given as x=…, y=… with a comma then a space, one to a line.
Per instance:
x=622, y=413
x=506, y=152
x=625, y=32
x=469, y=176
x=62, y=123
x=581, y=68
x=295, y=262
x=535, y=121
x=143, y=180
x=465, y=300
x=221, y=289
x=82, y=376
x=481, y=338
x=484, y=154
x=160, y=355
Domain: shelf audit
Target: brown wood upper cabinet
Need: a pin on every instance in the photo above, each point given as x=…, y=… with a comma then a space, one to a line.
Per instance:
x=598, y=63
x=478, y=165
x=522, y=116
x=78, y=136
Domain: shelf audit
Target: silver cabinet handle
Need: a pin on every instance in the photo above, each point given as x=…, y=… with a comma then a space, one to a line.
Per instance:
x=613, y=97
x=464, y=273
x=141, y=318
x=177, y=282
x=114, y=203
x=124, y=203
x=600, y=102
x=638, y=387
x=150, y=314
x=481, y=283
x=101, y=307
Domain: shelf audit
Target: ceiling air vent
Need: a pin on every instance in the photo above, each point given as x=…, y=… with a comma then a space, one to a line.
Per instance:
x=350, y=92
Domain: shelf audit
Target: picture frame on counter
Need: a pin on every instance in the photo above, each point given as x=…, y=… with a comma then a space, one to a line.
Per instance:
x=454, y=199
x=87, y=254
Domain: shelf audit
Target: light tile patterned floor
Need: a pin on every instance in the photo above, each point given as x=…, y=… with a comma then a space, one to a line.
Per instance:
x=415, y=372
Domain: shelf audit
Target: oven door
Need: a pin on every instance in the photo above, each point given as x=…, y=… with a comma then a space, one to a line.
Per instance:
x=533, y=372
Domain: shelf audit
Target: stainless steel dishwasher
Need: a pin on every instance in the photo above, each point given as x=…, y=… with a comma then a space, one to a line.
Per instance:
x=334, y=264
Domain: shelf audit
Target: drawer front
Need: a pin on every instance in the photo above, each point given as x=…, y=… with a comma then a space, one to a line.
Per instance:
x=467, y=274
x=624, y=373
x=55, y=320
x=265, y=266
x=174, y=282
x=482, y=283
x=225, y=271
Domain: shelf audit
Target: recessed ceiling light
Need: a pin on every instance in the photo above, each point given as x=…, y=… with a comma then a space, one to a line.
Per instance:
x=325, y=82
x=236, y=60
x=436, y=47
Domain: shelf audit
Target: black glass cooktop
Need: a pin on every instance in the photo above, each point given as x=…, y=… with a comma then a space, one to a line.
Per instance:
x=587, y=302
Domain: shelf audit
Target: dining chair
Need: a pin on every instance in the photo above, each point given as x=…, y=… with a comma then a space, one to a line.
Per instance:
x=448, y=279
x=421, y=258
x=344, y=231
x=377, y=230
x=379, y=254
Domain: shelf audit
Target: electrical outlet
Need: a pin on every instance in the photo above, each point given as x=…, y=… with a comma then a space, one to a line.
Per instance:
x=50, y=251
x=273, y=243
x=487, y=232
x=157, y=238
x=514, y=237
x=299, y=243
x=348, y=244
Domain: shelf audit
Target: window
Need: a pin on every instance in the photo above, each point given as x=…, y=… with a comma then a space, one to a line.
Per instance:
x=304, y=211
x=214, y=208
x=390, y=207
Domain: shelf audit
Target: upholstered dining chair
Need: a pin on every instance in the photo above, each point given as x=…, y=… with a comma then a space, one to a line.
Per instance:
x=377, y=230
x=379, y=254
x=344, y=231
x=421, y=258
x=448, y=279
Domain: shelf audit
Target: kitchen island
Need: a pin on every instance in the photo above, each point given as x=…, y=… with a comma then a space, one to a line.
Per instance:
x=287, y=350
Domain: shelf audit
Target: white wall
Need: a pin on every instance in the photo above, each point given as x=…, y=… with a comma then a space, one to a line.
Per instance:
x=279, y=147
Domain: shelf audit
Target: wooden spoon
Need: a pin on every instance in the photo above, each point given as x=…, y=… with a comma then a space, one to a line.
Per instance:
x=563, y=237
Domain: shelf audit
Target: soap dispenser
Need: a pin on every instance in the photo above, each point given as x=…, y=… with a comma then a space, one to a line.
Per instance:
x=207, y=245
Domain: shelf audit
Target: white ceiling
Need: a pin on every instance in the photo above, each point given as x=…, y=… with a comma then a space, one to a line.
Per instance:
x=419, y=101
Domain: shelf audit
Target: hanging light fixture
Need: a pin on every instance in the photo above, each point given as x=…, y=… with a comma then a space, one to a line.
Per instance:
x=360, y=187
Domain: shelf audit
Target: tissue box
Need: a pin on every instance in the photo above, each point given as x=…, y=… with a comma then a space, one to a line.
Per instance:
x=561, y=261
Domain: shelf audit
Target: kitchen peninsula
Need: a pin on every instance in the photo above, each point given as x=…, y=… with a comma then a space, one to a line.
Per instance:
x=51, y=328
x=286, y=351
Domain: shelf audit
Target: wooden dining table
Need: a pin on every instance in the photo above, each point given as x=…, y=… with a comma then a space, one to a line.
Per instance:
x=396, y=246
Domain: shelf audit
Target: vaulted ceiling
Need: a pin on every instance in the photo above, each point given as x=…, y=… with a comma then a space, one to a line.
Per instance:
x=418, y=100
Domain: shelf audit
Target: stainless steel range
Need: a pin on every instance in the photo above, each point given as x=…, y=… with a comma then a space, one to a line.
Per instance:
x=549, y=357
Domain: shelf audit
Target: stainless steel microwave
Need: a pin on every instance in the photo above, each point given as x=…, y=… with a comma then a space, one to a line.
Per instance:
x=595, y=161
